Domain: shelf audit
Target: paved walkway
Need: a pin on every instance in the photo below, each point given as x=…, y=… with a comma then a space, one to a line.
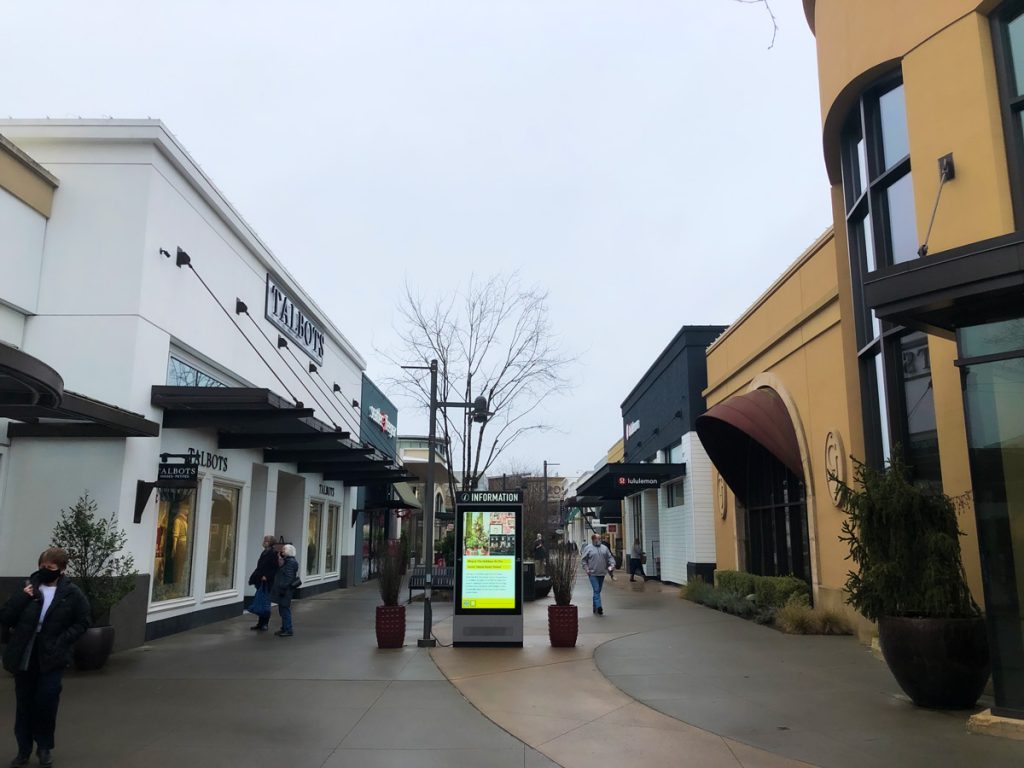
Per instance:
x=659, y=680
x=656, y=681
x=224, y=697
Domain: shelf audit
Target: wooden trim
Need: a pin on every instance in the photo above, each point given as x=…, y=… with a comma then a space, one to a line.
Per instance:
x=24, y=178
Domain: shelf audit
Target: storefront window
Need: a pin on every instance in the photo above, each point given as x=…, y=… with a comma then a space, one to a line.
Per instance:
x=181, y=374
x=313, y=537
x=674, y=494
x=995, y=418
x=175, y=535
x=882, y=227
x=331, y=543
x=220, y=562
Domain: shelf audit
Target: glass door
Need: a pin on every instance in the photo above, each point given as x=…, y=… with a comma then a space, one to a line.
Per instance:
x=994, y=402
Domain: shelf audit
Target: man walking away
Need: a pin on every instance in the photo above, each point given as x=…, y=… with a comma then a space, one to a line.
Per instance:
x=597, y=562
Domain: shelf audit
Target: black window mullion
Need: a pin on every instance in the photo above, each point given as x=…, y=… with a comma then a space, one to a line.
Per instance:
x=1011, y=105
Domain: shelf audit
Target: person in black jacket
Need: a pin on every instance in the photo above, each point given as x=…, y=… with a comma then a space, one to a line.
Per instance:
x=45, y=618
x=263, y=576
x=286, y=580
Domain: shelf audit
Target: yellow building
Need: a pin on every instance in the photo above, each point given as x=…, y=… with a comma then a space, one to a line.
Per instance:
x=907, y=324
x=783, y=410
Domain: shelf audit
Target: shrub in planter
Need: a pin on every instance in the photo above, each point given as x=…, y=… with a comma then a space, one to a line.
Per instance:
x=390, y=619
x=905, y=540
x=563, y=616
x=98, y=565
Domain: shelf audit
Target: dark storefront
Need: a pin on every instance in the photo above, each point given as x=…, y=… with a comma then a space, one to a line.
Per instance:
x=377, y=501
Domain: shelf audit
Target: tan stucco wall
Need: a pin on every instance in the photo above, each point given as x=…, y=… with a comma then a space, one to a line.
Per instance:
x=792, y=340
x=26, y=179
x=858, y=41
x=944, y=48
x=617, y=453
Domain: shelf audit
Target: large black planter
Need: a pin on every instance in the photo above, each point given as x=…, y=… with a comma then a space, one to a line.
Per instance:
x=939, y=663
x=93, y=648
x=541, y=587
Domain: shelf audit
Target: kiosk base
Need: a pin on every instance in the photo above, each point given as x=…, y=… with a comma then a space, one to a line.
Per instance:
x=472, y=631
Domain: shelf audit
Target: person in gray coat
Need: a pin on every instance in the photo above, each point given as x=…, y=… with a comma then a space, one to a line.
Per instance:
x=286, y=580
x=598, y=561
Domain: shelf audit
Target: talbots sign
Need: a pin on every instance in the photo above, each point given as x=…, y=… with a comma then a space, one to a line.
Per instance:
x=286, y=315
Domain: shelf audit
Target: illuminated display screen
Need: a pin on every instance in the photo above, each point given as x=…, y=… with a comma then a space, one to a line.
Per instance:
x=488, y=577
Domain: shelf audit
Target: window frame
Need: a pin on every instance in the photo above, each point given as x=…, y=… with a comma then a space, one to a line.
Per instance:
x=878, y=341
x=1011, y=106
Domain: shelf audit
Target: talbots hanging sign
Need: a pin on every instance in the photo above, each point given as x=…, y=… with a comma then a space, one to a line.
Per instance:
x=289, y=318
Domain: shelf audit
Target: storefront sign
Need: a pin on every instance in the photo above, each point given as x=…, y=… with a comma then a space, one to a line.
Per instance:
x=632, y=428
x=326, y=490
x=380, y=418
x=637, y=482
x=283, y=312
x=209, y=460
x=489, y=497
x=177, y=475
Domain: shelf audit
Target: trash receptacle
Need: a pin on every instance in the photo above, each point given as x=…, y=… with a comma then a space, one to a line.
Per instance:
x=529, y=574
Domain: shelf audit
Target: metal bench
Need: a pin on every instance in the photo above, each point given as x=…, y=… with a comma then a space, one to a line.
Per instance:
x=441, y=579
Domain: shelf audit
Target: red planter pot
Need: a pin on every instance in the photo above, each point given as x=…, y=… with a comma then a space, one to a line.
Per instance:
x=390, y=626
x=563, y=625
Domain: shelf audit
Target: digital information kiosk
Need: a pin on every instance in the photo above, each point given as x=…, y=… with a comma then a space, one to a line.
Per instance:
x=488, y=568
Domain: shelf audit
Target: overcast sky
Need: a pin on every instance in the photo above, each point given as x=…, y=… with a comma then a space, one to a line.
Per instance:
x=651, y=164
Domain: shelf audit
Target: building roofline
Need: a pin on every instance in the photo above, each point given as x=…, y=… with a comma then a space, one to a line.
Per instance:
x=804, y=257
x=154, y=132
x=664, y=354
x=24, y=159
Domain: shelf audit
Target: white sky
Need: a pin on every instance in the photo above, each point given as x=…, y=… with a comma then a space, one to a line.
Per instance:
x=650, y=163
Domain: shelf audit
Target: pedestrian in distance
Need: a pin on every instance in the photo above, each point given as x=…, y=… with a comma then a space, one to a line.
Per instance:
x=636, y=561
x=540, y=554
x=45, y=619
x=598, y=562
x=263, y=577
x=286, y=581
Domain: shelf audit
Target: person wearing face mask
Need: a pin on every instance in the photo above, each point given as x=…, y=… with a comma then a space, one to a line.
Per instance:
x=45, y=619
x=598, y=562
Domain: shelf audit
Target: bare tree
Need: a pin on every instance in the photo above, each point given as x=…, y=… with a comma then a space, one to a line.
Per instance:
x=771, y=15
x=538, y=517
x=492, y=338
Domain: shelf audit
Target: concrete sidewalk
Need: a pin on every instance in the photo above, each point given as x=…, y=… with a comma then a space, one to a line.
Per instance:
x=659, y=680
x=656, y=681
x=224, y=697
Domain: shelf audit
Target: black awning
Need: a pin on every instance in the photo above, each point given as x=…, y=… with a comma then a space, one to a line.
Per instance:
x=246, y=417
x=977, y=283
x=25, y=380
x=76, y=416
x=617, y=481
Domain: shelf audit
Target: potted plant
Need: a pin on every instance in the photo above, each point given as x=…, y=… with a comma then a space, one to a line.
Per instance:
x=390, y=616
x=905, y=540
x=563, y=618
x=95, y=561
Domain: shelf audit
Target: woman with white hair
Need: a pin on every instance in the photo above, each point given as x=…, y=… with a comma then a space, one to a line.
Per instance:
x=286, y=580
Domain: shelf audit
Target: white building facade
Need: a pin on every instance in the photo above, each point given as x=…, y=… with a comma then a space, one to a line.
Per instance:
x=107, y=290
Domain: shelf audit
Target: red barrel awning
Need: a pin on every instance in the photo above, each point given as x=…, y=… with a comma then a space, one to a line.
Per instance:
x=727, y=428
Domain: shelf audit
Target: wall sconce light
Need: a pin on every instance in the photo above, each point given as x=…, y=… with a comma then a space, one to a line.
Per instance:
x=355, y=403
x=240, y=307
x=678, y=414
x=336, y=387
x=282, y=342
x=312, y=368
x=657, y=430
x=182, y=258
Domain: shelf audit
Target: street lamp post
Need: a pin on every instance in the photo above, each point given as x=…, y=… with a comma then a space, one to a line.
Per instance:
x=480, y=414
x=547, y=512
